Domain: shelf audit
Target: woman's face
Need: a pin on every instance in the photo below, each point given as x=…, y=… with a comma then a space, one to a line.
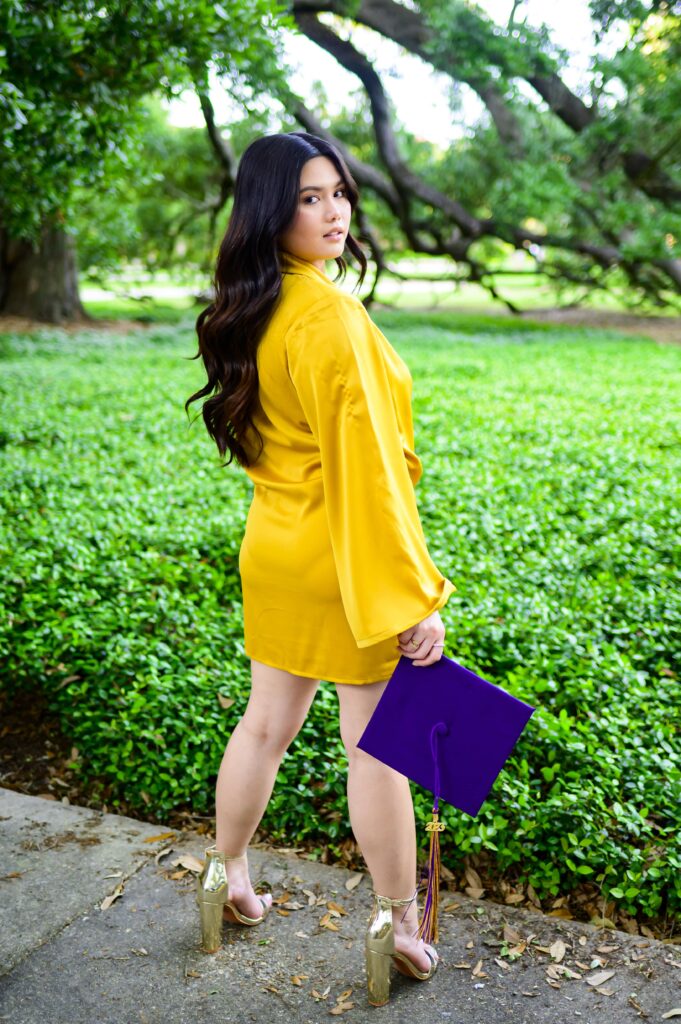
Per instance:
x=322, y=221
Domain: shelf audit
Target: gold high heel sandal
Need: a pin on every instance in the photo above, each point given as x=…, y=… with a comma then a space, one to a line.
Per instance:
x=214, y=905
x=380, y=949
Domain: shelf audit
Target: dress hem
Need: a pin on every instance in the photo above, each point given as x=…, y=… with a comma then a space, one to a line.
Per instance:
x=318, y=675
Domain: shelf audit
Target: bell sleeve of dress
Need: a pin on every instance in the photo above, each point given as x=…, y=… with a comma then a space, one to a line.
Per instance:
x=387, y=579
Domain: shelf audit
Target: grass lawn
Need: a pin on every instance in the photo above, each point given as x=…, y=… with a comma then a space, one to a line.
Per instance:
x=550, y=496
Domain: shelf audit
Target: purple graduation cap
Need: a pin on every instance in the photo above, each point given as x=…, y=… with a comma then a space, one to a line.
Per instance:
x=451, y=732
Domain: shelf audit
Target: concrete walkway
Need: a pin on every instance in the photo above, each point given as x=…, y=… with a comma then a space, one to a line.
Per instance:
x=68, y=958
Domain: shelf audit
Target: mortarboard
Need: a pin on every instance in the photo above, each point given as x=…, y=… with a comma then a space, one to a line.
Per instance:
x=450, y=731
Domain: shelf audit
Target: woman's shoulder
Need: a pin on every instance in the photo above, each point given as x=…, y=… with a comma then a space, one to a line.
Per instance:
x=334, y=329
x=309, y=300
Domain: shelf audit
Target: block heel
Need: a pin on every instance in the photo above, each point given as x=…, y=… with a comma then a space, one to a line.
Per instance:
x=378, y=977
x=380, y=950
x=215, y=906
x=210, y=916
x=211, y=895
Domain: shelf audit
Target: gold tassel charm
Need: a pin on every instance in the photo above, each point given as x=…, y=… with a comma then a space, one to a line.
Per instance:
x=428, y=926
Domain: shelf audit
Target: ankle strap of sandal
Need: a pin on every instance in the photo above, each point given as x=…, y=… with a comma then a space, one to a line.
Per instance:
x=396, y=903
x=213, y=850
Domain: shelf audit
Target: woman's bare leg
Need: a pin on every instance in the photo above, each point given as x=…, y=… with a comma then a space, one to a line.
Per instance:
x=276, y=709
x=382, y=817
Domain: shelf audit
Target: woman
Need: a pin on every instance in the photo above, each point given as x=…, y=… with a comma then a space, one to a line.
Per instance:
x=314, y=403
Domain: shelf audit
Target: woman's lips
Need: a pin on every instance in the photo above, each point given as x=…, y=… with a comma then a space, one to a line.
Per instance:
x=333, y=235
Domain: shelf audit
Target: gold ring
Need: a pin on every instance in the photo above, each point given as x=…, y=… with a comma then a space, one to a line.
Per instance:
x=416, y=643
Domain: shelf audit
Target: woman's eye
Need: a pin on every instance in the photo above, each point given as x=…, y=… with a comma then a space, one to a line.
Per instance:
x=309, y=199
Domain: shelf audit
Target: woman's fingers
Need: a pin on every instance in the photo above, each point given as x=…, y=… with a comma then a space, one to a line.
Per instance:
x=423, y=643
x=433, y=655
x=426, y=652
x=412, y=643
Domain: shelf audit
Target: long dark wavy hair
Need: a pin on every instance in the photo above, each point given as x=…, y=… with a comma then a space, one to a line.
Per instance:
x=247, y=281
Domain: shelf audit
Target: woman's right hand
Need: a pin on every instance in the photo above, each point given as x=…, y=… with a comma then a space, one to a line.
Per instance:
x=424, y=642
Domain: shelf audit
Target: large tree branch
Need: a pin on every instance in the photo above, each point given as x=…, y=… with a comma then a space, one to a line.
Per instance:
x=221, y=146
x=409, y=29
x=404, y=184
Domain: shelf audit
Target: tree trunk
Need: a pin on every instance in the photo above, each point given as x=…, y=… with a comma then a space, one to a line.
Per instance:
x=40, y=282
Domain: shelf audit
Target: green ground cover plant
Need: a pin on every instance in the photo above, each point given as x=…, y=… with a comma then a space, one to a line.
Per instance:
x=550, y=496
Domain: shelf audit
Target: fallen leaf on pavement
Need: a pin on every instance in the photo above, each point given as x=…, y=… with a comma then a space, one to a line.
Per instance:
x=320, y=995
x=335, y=908
x=514, y=897
x=478, y=971
x=605, y=991
x=326, y=922
x=604, y=949
x=676, y=1012
x=344, y=995
x=557, y=950
x=462, y=967
x=163, y=853
x=285, y=896
x=353, y=882
x=311, y=898
x=600, y=978
x=556, y=971
x=188, y=861
x=108, y=900
x=502, y=964
x=297, y=979
x=510, y=934
x=450, y=907
x=284, y=913
x=161, y=835
x=341, y=1008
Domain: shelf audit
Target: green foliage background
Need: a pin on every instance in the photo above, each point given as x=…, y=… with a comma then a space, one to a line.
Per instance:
x=550, y=497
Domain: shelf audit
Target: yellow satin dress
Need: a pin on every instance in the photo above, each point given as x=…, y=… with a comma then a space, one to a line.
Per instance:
x=333, y=562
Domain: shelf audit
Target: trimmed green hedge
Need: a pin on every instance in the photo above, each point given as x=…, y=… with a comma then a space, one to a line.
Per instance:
x=550, y=497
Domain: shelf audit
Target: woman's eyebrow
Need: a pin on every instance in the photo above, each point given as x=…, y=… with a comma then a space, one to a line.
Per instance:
x=319, y=188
